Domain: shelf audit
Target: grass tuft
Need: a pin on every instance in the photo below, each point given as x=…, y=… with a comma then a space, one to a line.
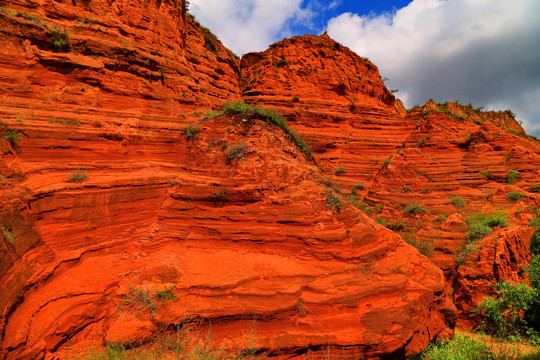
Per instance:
x=466, y=348
x=191, y=131
x=458, y=202
x=60, y=38
x=253, y=111
x=138, y=300
x=8, y=234
x=77, y=176
x=12, y=136
x=415, y=209
x=333, y=202
x=482, y=224
x=235, y=152
x=514, y=196
x=424, y=247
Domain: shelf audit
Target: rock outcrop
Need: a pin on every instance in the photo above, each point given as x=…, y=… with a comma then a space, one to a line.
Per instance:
x=119, y=192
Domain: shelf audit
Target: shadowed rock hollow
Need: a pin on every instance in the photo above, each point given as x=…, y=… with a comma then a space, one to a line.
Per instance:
x=106, y=196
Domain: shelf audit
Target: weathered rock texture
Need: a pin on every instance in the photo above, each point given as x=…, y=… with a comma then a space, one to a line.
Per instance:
x=234, y=237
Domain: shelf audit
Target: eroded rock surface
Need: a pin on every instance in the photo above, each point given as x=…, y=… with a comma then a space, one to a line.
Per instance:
x=105, y=195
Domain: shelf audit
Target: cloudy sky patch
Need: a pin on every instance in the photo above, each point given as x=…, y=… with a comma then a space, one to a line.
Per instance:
x=251, y=25
x=481, y=51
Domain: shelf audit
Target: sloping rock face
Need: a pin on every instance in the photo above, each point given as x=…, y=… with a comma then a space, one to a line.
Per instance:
x=117, y=192
x=383, y=158
x=334, y=98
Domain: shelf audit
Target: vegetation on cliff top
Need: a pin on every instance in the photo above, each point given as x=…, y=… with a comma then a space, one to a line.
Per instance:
x=249, y=111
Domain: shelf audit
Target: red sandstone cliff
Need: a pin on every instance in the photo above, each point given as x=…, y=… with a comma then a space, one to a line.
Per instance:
x=234, y=240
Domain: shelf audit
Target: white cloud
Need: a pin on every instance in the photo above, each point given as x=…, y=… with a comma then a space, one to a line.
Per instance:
x=250, y=25
x=480, y=51
x=333, y=4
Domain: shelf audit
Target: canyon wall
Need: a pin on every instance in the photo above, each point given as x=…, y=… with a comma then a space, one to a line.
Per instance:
x=118, y=185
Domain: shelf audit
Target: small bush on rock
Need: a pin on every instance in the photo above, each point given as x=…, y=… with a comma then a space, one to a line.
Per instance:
x=78, y=176
x=458, y=202
x=514, y=195
x=482, y=224
x=512, y=176
x=415, y=209
x=191, y=131
x=333, y=202
x=235, y=152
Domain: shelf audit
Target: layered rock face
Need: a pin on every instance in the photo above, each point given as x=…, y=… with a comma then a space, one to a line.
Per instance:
x=116, y=189
x=384, y=158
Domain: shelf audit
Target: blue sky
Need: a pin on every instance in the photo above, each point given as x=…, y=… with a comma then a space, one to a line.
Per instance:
x=481, y=51
x=337, y=7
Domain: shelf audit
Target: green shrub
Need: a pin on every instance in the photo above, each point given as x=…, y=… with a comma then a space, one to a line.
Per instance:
x=353, y=200
x=459, y=348
x=415, y=209
x=33, y=18
x=235, y=152
x=60, y=38
x=396, y=225
x=499, y=219
x=340, y=170
x=212, y=114
x=7, y=11
x=535, y=188
x=328, y=183
x=222, y=194
x=380, y=221
x=67, y=122
x=514, y=195
x=463, y=254
x=210, y=41
x=138, y=300
x=359, y=186
x=12, y=136
x=282, y=62
x=85, y=20
x=468, y=348
x=8, y=235
x=295, y=99
x=442, y=217
x=77, y=176
x=533, y=271
x=162, y=71
x=512, y=176
x=512, y=312
x=478, y=231
x=191, y=131
x=406, y=189
x=333, y=202
x=482, y=224
x=166, y=295
x=424, y=247
x=534, y=247
x=458, y=202
x=253, y=111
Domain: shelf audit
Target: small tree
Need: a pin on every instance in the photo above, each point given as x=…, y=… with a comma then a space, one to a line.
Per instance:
x=512, y=175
